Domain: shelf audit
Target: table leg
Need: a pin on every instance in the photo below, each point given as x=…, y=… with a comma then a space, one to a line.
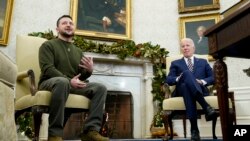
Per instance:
x=221, y=83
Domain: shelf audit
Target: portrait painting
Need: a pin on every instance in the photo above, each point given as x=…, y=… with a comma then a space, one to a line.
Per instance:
x=189, y=6
x=194, y=27
x=102, y=19
x=5, y=18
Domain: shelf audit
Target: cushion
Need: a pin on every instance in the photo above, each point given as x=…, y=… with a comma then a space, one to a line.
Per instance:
x=177, y=103
x=43, y=98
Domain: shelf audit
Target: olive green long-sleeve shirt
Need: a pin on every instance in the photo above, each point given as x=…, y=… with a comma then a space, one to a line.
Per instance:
x=58, y=58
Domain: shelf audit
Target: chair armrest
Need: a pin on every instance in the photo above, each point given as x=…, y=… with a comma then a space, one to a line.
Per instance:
x=231, y=96
x=211, y=89
x=22, y=75
x=167, y=91
x=31, y=75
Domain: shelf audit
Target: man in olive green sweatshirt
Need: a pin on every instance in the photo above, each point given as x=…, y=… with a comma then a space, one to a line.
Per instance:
x=64, y=70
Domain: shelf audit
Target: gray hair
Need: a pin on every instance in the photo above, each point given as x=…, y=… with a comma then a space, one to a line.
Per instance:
x=188, y=40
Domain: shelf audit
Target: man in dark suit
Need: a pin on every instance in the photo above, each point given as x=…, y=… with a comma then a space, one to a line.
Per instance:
x=191, y=75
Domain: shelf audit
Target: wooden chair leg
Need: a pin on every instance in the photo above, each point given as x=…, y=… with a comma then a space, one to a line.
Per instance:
x=213, y=127
x=37, y=117
x=66, y=118
x=184, y=126
x=233, y=113
x=233, y=116
x=170, y=123
x=166, y=125
x=17, y=114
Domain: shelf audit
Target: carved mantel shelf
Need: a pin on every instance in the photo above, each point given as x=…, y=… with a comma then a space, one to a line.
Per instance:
x=114, y=58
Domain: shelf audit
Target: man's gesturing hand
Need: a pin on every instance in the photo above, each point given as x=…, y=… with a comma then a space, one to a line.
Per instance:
x=87, y=63
x=76, y=83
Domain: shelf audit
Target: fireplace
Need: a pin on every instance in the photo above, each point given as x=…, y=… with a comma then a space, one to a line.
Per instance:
x=130, y=75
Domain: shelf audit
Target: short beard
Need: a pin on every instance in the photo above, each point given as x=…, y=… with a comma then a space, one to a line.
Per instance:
x=66, y=35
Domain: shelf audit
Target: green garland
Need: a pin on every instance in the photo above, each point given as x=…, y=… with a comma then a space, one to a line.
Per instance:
x=25, y=124
x=123, y=49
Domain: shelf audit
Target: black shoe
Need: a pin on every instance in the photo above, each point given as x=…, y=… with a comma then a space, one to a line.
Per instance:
x=195, y=135
x=211, y=114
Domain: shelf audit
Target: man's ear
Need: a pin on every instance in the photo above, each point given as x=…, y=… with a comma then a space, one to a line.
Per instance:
x=57, y=30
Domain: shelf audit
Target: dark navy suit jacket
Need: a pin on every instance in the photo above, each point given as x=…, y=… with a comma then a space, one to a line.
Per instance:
x=202, y=70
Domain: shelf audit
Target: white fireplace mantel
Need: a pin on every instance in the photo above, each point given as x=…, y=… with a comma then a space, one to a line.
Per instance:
x=133, y=75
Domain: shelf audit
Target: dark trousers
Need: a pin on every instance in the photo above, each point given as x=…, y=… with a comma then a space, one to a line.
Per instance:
x=60, y=88
x=191, y=91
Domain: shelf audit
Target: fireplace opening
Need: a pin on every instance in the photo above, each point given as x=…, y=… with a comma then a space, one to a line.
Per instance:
x=119, y=106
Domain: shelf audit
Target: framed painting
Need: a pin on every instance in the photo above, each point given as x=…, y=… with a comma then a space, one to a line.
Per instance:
x=105, y=20
x=189, y=6
x=194, y=26
x=5, y=18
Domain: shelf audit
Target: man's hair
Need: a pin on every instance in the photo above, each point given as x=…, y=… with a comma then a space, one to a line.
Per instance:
x=188, y=40
x=63, y=16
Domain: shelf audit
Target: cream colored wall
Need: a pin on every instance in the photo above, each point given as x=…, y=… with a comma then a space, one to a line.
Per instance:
x=33, y=16
x=152, y=20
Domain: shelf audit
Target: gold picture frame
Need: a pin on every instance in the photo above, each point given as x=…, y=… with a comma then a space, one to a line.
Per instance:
x=112, y=22
x=5, y=19
x=194, y=26
x=190, y=6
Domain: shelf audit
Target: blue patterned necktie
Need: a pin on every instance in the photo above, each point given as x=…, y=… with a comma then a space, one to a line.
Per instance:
x=190, y=65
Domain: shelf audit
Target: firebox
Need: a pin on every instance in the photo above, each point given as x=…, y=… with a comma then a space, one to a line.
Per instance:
x=119, y=107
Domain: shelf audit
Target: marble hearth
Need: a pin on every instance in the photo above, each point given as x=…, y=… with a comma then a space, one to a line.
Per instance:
x=133, y=75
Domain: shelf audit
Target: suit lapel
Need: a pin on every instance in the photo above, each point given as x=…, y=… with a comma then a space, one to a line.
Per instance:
x=184, y=64
x=196, y=61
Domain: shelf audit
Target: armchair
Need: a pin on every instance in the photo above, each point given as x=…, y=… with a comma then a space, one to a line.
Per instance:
x=175, y=105
x=28, y=98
